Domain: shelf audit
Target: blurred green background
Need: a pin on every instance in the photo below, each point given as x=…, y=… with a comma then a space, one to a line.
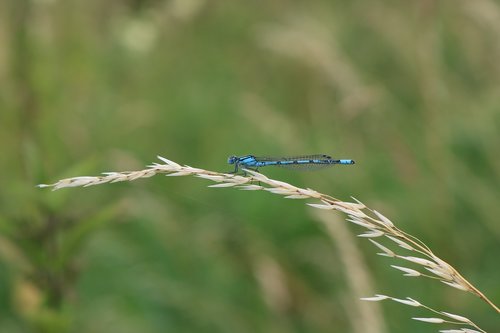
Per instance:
x=410, y=90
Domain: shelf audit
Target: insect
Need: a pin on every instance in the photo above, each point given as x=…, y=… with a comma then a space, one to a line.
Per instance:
x=306, y=161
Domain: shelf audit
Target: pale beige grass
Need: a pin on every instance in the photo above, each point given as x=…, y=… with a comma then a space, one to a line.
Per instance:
x=376, y=224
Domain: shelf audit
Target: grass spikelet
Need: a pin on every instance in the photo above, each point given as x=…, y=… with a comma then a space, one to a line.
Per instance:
x=408, y=271
x=372, y=234
x=386, y=253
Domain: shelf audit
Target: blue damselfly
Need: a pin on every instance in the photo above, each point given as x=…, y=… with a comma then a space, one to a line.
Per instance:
x=306, y=161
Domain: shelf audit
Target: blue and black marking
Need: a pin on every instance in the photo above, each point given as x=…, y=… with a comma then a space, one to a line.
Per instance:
x=306, y=161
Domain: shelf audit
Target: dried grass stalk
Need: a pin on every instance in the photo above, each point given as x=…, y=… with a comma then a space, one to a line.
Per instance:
x=376, y=224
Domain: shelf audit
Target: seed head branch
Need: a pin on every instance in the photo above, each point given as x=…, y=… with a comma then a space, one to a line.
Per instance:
x=443, y=317
x=377, y=225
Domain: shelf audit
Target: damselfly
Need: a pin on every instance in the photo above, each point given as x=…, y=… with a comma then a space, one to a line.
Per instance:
x=307, y=161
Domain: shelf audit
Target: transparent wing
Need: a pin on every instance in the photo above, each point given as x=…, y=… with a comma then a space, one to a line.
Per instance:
x=293, y=158
x=305, y=167
x=322, y=161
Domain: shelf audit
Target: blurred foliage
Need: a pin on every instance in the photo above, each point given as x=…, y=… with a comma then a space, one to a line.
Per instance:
x=408, y=90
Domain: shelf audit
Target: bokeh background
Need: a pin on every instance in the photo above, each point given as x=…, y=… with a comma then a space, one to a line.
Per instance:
x=410, y=90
